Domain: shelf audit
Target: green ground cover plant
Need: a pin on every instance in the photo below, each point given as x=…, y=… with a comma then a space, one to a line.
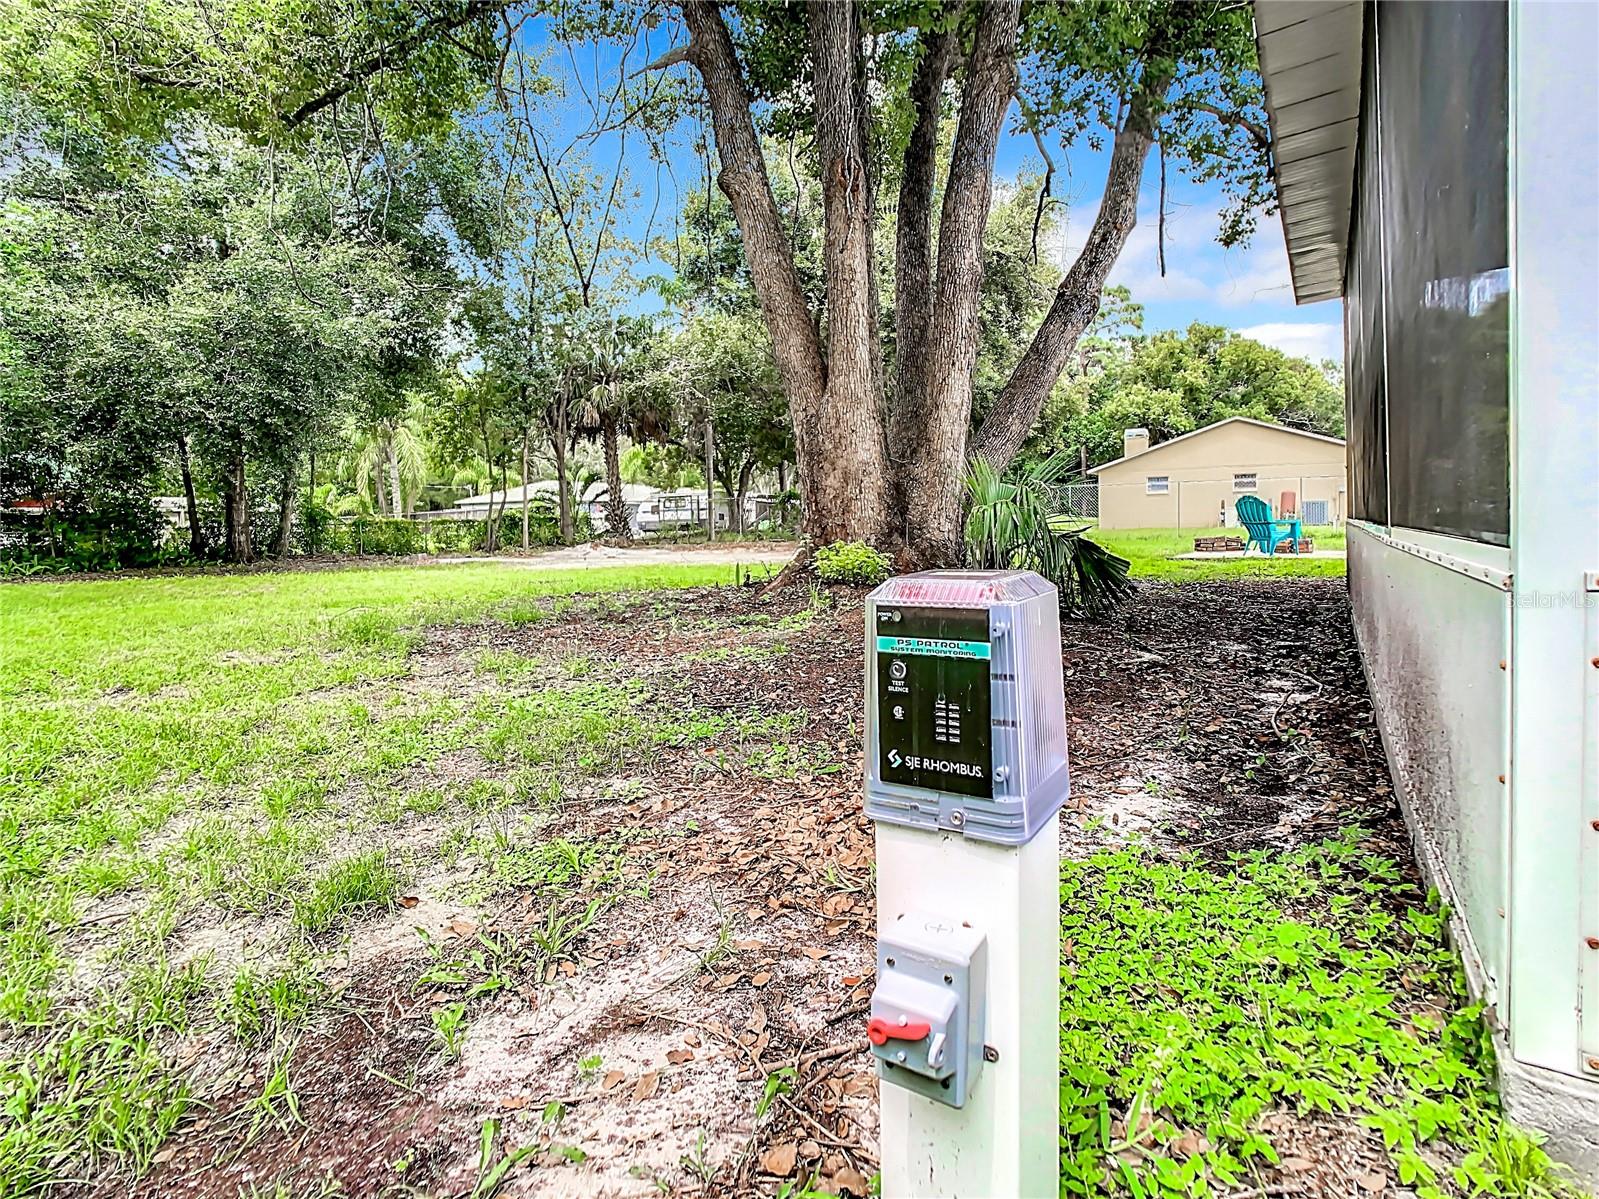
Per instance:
x=1197, y=997
x=1153, y=554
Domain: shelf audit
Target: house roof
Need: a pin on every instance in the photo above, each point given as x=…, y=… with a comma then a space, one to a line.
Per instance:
x=1231, y=420
x=511, y=495
x=632, y=493
x=1310, y=58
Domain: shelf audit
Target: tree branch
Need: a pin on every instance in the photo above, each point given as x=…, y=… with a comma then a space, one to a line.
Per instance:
x=1077, y=299
x=748, y=189
x=1030, y=119
x=683, y=53
x=1237, y=120
x=394, y=55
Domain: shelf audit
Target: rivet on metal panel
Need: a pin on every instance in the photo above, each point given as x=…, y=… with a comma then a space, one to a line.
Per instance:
x=1596, y=661
x=1593, y=1063
x=1594, y=824
x=1501, y=778
x=1593, y=942
x=957, y=818
x=1503, y=665
x=990, y=1054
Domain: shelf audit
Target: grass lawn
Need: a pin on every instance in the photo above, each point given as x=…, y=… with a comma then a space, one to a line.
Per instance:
x=225, y=743
x=1153, y=553
x=627, y=823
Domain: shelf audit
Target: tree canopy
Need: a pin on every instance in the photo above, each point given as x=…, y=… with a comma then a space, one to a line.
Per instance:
x=392, y=244
x=1173, y=383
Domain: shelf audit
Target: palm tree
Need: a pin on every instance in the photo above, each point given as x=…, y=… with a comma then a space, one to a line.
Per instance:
x=390, y=462
x=1011, y=524
x=611, y=406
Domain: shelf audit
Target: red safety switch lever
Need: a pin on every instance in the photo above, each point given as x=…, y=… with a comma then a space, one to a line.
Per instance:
x=880, y=1031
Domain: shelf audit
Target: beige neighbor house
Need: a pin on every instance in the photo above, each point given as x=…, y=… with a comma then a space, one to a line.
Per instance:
x=1193, y=481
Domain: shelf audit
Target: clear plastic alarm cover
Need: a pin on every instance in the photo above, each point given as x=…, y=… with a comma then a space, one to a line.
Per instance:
x=962, y=588
x=965, y=704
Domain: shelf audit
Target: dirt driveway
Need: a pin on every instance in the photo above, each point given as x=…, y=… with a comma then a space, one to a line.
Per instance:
x=704, y=1035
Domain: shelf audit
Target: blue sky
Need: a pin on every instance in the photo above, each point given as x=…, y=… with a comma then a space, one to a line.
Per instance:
x=1245, y=289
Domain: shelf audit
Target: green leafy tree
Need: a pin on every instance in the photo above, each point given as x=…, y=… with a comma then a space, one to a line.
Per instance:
x=269, y=68
x=718, y=381
x=478, y=416
x=212, y=314
x=1174, y=383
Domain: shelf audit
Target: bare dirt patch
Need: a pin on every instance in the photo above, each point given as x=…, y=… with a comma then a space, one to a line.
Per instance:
x=705, y=1036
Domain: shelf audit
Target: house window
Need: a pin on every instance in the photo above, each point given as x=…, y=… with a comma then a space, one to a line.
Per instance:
x=1244, y=482
x=1157, y=485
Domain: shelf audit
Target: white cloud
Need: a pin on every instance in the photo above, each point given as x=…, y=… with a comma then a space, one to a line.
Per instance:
x=1313, y=341
x=1197, y=268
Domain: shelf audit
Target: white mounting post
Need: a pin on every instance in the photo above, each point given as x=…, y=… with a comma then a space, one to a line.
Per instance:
x=1004, y=1143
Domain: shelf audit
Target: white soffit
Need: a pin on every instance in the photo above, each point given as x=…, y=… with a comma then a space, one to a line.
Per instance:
x=1310, y=64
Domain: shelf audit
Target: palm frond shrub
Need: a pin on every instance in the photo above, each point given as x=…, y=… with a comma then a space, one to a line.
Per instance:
x=1010, y=525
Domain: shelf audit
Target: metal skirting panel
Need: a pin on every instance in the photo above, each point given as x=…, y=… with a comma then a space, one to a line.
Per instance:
x=1589, y=899
x=1435, y=642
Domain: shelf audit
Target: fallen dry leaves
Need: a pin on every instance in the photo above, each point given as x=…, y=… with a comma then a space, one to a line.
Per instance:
x=780, y=1159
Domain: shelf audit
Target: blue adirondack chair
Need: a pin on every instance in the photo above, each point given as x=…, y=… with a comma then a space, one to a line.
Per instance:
x=1254, y=514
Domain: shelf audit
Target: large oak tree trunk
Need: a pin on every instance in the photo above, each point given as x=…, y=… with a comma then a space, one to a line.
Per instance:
x=838, y=431
x=935, y=429
x=913, y=241
x=848, y=489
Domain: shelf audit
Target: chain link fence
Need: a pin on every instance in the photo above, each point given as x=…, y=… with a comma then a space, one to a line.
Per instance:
x=1080, y=501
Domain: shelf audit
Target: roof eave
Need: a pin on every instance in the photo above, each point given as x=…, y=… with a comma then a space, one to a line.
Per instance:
x=1310, y=58
x=1226, y=420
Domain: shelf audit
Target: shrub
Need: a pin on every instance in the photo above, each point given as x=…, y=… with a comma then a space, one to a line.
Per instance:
x=1010, y=525
x=108, y=530
x=851, y=562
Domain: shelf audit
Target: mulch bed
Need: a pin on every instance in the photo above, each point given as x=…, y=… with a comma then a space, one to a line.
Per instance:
x=1178, y=707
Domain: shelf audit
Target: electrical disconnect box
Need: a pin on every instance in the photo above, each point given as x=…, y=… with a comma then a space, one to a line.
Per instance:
x=929, y=1006
x=965, y=704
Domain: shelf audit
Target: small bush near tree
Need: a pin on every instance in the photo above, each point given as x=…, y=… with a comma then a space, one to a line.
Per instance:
x=851, y=562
